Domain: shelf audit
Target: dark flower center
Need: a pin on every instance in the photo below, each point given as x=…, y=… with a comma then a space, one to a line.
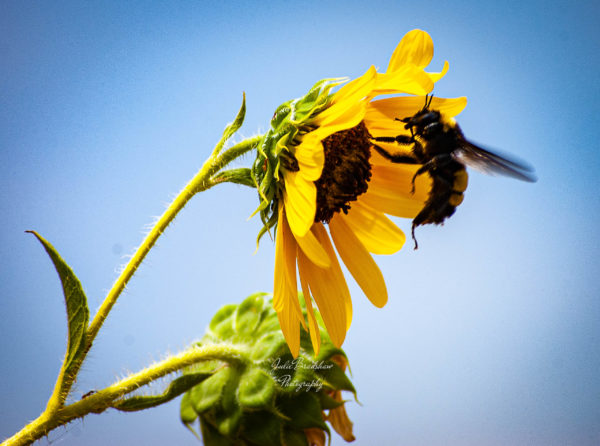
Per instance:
x=346, y=171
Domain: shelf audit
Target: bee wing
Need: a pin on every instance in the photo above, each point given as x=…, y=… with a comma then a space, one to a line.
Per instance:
x=493, y=164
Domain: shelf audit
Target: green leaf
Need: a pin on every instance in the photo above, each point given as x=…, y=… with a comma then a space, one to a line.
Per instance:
x=176, y=388
x=241, y=176
x=233, y=127
x=77, y=312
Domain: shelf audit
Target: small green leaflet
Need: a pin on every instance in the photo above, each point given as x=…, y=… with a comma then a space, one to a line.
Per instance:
x=176, y=388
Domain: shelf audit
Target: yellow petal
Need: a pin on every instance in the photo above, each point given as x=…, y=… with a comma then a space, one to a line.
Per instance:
x=300, y=199
x=398, y=207
x=311, y=158
x=330, y=292
x=377, y=233
x=416, y=47
x=358, y=261
x=290, y=329
x=315, y=334
x=437, y=76
x=378, y=112
x=351, y=117
x=285, y=289
x=335, y=270
x=352, y=92
x=279, y=287
x=407, y=79
x=395, y=180
x=313, y=250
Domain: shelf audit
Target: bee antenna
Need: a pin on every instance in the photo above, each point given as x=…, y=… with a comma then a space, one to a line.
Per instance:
x=428, y=100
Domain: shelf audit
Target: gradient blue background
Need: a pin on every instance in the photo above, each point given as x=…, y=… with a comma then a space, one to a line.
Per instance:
x=492, y=332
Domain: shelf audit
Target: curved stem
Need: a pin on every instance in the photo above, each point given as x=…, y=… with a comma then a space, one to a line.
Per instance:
x=199, y=183
x=103, y=399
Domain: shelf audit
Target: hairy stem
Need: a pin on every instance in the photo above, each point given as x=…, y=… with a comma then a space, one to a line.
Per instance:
x=103, y=399
x=201, y=181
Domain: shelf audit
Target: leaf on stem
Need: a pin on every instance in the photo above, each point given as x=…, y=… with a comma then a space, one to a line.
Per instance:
x=77, y=310
x=233, y=127
x=176, y=388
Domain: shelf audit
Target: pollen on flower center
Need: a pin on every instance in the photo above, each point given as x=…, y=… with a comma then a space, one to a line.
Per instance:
x=346, y=171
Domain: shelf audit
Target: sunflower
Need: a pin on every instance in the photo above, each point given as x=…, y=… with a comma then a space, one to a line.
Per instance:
x=317, y=168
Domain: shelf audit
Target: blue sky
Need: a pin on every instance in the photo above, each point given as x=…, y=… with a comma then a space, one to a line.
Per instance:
x=491, y=336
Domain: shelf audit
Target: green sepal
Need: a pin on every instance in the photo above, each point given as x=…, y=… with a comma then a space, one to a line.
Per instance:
x=293, y=437
x=209, y=392
x=328, y=351
x=230, y=129
x=221, y=324
x=77, y=312
x=188, y=415
x=327, y=402
x=302, y=410
x=256, y=390
x=336, y=378
x=176, y=388
x=262, y=428
x=212, y=437
x=249, y=313
x=271, y=345
x=228, y=413
x=291, y=120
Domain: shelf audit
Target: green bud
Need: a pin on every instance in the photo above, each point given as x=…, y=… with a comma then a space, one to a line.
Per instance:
x=266, y=397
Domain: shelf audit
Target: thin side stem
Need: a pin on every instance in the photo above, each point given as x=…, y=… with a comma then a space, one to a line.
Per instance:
x=103, y=399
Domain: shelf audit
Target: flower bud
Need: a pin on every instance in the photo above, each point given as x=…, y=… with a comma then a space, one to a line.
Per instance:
x=267, y=397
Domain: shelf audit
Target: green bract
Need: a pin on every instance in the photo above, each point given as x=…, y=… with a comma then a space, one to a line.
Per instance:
x=291, y=120
x=267, y=397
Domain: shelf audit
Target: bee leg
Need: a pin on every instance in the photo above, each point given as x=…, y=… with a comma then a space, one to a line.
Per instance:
x=399, y=159
x=434, y=163
x=412, y=232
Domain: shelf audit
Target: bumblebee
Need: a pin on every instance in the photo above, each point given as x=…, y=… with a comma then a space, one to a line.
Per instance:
x=439, y=146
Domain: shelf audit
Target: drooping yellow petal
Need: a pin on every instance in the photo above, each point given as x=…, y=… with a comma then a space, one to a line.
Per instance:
x=290, y=328
x=377, y=233
x=339, y=420
x=279, y=287
x=329, y=289
x=300, y=199
x=314, y=331
x=313, y=250
x=285, y=292
x=358, y=261
x=416, y=47
x=335, y=270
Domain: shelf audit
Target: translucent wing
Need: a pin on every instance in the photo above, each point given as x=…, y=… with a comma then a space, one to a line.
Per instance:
x=493, y=164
